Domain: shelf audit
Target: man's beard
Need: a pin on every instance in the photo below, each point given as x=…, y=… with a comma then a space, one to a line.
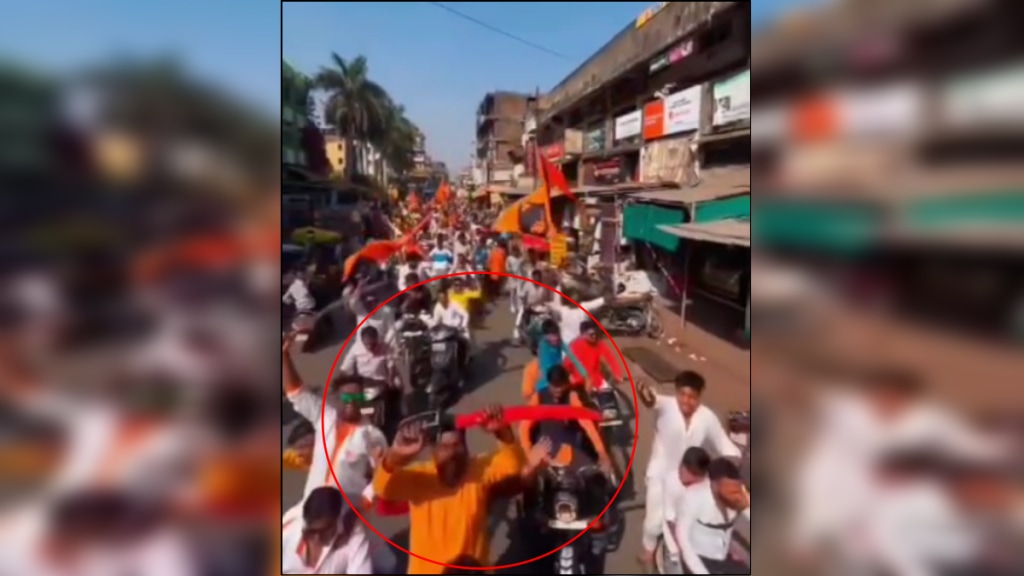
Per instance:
x=452, y=470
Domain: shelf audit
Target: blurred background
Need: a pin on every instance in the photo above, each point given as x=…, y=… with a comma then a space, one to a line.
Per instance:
x=139, y=310
x=887, y=151
x=139, y=315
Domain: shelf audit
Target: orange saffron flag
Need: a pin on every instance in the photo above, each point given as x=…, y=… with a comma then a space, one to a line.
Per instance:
x=444, y=193
x=378, y=251
x=555, y=179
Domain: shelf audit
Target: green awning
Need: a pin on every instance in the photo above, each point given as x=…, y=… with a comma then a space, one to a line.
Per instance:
x=641, y=221
x=993, y=208
x=735, y=208
x=825, y=226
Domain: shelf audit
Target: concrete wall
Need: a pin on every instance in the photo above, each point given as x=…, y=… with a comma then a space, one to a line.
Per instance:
x=628, y=49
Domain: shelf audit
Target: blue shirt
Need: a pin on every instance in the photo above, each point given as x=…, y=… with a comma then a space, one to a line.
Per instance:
x=549, y=356
x=442, y=259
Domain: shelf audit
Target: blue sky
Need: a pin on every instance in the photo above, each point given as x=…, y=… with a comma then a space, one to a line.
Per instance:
x=440, y=66
x=436, y=64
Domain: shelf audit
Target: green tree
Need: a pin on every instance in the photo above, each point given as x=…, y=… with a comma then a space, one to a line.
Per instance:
x=362, y=110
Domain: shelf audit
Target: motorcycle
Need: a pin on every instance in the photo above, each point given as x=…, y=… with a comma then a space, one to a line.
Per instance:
x=634, y=316
x=566, y=501
x=429, y=364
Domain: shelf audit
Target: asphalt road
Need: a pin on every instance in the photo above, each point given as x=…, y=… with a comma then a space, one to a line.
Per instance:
x=497, y=378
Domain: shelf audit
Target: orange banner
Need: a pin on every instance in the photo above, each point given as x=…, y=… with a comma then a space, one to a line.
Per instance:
x=654, y=120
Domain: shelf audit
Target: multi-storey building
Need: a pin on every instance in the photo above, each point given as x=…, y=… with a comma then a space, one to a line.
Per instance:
x=655, y=128
x=499, y=134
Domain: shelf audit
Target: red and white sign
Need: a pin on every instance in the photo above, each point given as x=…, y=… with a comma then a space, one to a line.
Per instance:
x=554, y=152
x=682, y=111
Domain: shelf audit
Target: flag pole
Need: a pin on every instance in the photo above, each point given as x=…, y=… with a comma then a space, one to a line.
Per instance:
x=543, y=169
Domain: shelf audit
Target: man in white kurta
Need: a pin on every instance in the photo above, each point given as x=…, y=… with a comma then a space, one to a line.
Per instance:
x=351, y=440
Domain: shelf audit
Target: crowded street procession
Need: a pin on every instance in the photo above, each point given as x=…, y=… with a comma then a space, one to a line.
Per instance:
x=478, y=419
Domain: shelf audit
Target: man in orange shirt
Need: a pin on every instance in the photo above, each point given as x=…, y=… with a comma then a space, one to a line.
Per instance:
x=499, y=260
x=592, y=351
x=449, y=496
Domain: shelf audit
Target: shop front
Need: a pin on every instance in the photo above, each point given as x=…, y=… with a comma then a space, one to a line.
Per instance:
x=618, y=163
x=732, y=101
x=668, y=154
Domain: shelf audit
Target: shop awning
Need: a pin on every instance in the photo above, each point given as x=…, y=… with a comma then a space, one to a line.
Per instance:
x=642, y=222
x=715, y=184
x=817, y=225
x=730, y=232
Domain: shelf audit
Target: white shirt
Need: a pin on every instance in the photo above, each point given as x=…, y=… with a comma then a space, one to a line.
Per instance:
x=914, y=528
x=377, y=365
x=162, y=554
x=452, y=316
x=403, y=272
x=426, y=269
x=672, y=437
x=157, y=463
x=570, y=316
x=351, y=456
x=704, y=530
x=299, y=295
x=352, y=557
x=848, y=444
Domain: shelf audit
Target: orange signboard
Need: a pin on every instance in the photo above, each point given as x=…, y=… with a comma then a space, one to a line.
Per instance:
x=654, y=120
x=815, y=119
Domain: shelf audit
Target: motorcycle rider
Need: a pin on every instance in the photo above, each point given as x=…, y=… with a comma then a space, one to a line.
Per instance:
x=566, y=437
x=532, y=297
x=467, y=294
x=447, y=313
x=552, y=351
x=592, y=351
x=373, y=362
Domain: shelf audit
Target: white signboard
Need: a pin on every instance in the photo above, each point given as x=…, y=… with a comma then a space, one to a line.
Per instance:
x=682, y=111
x=732, y=99
x=629, y=125
x=984, y=99
x=886, y=111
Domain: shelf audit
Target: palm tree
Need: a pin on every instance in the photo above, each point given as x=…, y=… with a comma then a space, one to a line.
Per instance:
x=396, y=140
x=357, y=107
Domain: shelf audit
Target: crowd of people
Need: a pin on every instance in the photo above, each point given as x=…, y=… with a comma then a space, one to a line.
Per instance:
x=144, y=398
x=448, y=497
x=168, y=463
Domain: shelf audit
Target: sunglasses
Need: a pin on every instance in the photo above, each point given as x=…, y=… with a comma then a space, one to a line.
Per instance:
x=353, y=398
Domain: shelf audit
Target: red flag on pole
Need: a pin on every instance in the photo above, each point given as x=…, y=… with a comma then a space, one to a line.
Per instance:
x=554, y=178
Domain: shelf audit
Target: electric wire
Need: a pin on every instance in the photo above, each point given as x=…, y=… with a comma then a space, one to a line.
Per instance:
x=497, y=30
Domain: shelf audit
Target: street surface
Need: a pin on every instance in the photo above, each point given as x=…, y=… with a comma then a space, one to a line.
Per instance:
x=497, y=377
